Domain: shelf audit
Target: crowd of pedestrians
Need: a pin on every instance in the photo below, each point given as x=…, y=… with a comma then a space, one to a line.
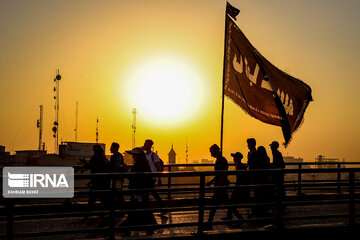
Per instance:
x=145, y=160
x=262, y=182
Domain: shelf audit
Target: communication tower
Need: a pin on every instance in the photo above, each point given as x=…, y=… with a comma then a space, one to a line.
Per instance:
x=97, y=130
x=40, y=127
x=76, y=121
x=55, y=128
x=187, y=151
x=133, y=126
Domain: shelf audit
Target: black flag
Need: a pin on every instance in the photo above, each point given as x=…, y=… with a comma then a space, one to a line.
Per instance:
x=259, y=88
x=232, y=11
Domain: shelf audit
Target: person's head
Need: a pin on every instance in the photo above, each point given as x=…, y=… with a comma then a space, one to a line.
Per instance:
x=98, y=150
x=114, y=147
x=251, y=142
x=262, y=150
x=215, y=151
x=137, y=154
x=274, y=145
x=237, y=157
x=148, y=145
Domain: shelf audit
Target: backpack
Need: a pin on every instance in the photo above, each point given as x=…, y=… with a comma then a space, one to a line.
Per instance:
x=161, y=169
x=117, y=161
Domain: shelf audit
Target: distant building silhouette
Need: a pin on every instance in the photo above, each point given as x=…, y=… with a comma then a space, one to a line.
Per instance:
x=24, y=157
x=206, y=161
x=172, y=155
x=2, y=149
x=291, y=159
x=322, y=159
x=5, y=157
x=79, y=149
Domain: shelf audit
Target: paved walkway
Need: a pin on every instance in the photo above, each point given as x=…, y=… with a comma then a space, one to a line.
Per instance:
x=175, y=217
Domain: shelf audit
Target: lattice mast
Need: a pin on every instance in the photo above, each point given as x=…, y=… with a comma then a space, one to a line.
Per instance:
x=97, y=130
x=133, y=126
x=76, y=121
x=187, y=151
x=55, y=128
x=40, y=127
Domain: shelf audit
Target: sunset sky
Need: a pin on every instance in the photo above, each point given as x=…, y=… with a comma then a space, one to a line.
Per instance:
x=166, y=59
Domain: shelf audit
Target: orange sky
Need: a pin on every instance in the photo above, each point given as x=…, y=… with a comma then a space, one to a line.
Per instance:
x=99, y=46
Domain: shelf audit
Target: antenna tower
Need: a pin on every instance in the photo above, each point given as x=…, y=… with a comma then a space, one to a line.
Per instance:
x=40, y=127
x=76, y=121
x=97, y=130
x=55, y=128
x=187, y=151
x=133, y=126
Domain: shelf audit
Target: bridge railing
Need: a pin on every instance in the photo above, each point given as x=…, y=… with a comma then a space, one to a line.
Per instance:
x=290, y=165
x=198, y=202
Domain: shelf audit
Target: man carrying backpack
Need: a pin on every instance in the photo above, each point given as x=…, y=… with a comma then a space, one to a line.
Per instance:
x=154, y=161
x=156, y=165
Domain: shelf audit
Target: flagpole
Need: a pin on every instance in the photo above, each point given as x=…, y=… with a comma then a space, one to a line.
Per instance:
x=223, y=90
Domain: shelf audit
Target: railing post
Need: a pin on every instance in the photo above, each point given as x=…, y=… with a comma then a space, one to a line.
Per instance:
x=10, y=220
x=351, y=199
x=201, y=205
x=339, y=178
x=279, y=199
x=169, y=184
x=299, y=180
x=112, y=208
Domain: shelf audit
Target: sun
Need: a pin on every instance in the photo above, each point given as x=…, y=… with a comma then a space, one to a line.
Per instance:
x=165, y=89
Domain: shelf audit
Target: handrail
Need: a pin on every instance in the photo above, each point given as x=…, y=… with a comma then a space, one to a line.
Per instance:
x=213, y=173
x=201, y=203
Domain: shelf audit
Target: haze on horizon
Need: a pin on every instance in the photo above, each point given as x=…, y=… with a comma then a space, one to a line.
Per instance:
x=104, y=50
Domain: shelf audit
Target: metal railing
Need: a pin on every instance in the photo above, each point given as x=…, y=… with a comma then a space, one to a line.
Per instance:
x=195, y=198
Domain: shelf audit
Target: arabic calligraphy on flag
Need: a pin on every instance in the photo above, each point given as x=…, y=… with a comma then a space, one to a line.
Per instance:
x=282, y=101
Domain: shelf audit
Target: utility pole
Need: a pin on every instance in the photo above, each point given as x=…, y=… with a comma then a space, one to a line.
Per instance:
x=55, y=128
x=97, y=130
x=133, y=126
x=187, y=151
x=40, y=127
x=76, y=122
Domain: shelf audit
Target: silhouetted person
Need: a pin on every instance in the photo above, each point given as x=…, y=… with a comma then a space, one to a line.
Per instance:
x=263, y=194
x=152, y=157
x=219, y=180
x=239, y=195
x=140, y=199
x=99, y=164
x=264, y=160
x=116, y=166
x=278, y=163
x=155, y=166
x=257, y=160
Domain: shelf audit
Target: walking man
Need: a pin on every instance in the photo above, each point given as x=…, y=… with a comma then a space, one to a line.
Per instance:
x=278, y=162
x=98, y=164
x=116, y=166
x=155, y=166
x=219, y=180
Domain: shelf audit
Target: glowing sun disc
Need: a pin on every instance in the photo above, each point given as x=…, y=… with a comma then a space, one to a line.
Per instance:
x=165, y=90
